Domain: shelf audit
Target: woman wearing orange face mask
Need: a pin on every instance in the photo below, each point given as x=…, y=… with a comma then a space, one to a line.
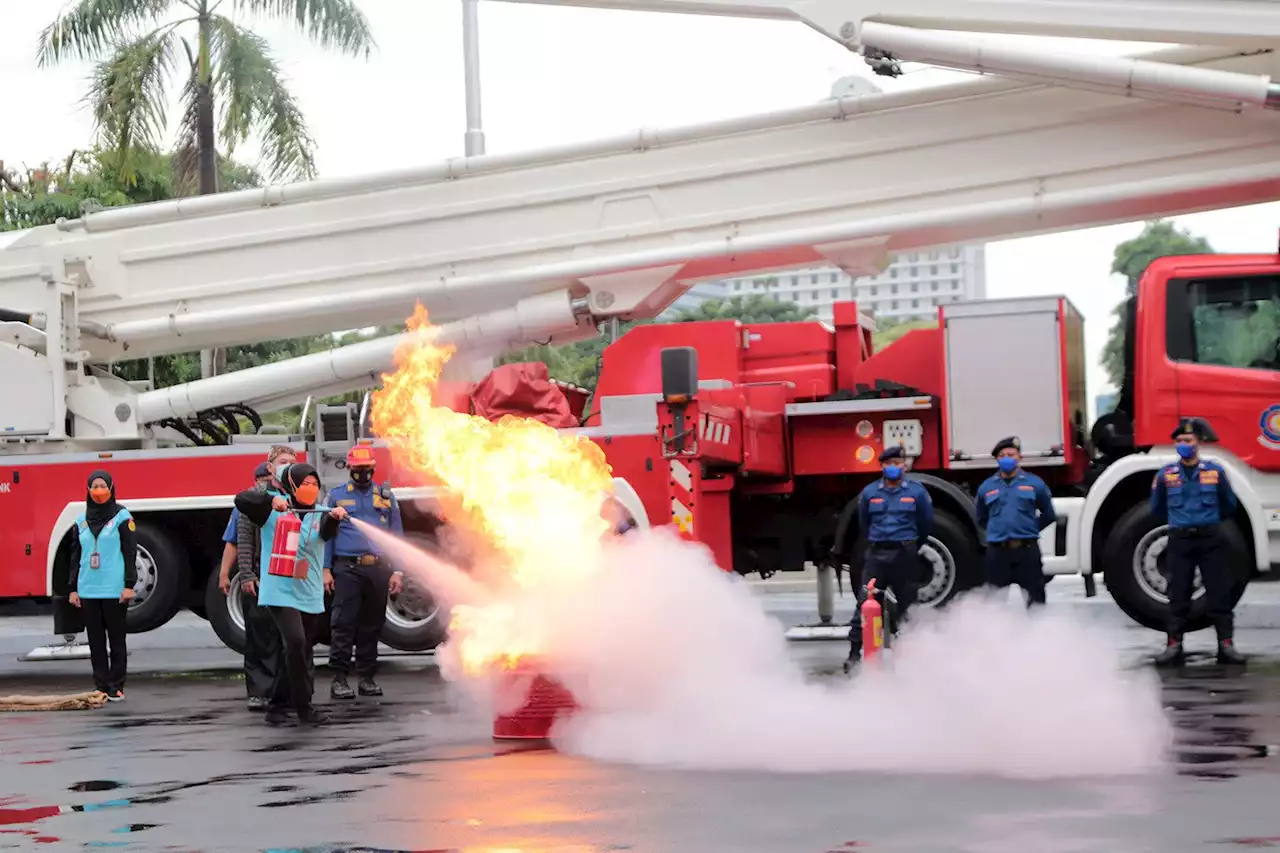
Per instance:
x=103, y=573
x=296, y=602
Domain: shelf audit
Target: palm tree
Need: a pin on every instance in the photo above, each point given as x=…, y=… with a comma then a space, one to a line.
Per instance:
x=232, y=86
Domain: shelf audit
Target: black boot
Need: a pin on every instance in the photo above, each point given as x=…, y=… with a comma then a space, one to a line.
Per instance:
x=277, y=716
x=1173, y=655
x=313, y=716
x=340, y=689
x=369, y=687
x=1227, y=653
x=851, y=663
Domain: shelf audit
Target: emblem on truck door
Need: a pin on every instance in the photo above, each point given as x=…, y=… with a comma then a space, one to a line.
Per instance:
x=1269, y=425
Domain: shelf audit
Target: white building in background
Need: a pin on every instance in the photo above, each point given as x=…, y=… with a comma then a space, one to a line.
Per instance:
x=910, y=288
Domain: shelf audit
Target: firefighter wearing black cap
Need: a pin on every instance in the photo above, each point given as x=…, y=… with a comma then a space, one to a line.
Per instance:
x=896, y=515
x=360, y=576
x=1194, y=496
x=1014, y=506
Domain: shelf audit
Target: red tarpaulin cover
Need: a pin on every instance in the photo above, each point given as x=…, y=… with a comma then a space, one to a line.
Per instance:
x=524, y=390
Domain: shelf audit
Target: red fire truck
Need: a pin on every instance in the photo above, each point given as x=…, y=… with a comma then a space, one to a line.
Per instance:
x=762, y=460
x=549, y=245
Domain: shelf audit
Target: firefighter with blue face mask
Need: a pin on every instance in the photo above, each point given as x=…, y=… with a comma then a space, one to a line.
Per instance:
x=360, y=576
x=1193, y=495
x=1014, y=506
x=896, y=516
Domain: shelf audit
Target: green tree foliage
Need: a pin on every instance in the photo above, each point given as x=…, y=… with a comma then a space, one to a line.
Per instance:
x=887, y=331
x=1159, y=239
x=232, y=87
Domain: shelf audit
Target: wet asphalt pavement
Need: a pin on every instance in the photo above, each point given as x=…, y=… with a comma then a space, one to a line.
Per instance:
x=183, y=766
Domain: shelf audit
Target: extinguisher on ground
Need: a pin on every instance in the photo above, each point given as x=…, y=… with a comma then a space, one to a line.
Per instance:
x=284, y=546
x=872, y=623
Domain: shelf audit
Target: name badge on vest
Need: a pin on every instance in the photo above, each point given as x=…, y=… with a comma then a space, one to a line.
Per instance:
x=94, y=560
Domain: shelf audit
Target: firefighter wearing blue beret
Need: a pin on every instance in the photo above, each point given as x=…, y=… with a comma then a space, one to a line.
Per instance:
x=896, y=515
x=1193, y=495
x=1014, y=506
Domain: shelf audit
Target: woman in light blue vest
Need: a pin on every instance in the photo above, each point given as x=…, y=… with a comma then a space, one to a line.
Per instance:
x=103, y=550
x=296, y=602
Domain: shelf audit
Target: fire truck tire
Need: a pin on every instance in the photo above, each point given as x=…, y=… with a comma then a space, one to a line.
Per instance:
x=1133, y=569
x=952, y=561
x=228, y=625
x=164, y=575
x=415, y=620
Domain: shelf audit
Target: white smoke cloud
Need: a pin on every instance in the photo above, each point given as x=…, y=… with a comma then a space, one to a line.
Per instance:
x=675, y=663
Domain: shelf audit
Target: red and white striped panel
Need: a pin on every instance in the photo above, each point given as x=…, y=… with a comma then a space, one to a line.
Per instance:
x=713, y=432
x=682, y=497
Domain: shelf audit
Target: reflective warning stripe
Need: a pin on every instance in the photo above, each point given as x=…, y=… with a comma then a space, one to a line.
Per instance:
x=714, y=432
x=682, y=497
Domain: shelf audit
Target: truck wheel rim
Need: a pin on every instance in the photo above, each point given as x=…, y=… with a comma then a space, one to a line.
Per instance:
x=148, y=574
x=942, y=573
x=1150, y=570
x=235, y=605
x=413, y=608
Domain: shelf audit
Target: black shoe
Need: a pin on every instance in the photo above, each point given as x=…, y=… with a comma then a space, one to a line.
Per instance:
x=852, y=663
x=369, y=687
x=115, y=694
x=340, y=689
x=277, y=716
x=1173, y=655
x=257, y=703
x=314, y=717
x=1227, y=653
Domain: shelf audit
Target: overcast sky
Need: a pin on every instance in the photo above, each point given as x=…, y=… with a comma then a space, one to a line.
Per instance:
x=554, y=75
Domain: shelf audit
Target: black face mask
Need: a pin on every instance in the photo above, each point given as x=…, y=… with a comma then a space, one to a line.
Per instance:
x=362, y=477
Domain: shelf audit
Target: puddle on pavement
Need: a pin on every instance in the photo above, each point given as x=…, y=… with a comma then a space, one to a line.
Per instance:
x=1211, y=713
x=95, y=785
x=313, y=799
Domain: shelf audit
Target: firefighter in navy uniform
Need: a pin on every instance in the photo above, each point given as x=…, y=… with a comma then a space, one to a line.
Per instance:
x=1194, y=496
x=360, y=576
x=896, y=514
x=1014, y=506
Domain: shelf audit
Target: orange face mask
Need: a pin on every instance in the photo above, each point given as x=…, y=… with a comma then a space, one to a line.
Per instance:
x=307, y=493
x=100, y=495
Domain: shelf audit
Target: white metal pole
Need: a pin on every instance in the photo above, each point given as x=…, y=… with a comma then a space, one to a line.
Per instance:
x=474, y=143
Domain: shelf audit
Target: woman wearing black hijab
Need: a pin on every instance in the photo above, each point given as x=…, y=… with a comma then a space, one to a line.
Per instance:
x=295, y=601
x=104, y=548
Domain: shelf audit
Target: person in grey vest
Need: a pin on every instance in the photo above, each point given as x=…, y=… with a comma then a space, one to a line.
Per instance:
x=104, y=548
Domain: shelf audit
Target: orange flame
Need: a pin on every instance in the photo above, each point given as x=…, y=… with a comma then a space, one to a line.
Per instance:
x=532, y=494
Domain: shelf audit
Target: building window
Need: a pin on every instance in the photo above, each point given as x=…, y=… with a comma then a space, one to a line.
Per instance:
x=893, y=272
x=915, y=303
x=813, y=279
x=955, y=269
x=934, y=287
x=933, y=270
x=835, y=277
x=873, y=290
x=737, y=286
x=835, y=293
x=893, y=289
x=813, y=296
x=915, y=272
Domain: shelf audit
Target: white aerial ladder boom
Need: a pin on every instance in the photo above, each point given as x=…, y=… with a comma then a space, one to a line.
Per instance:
x=542, y=245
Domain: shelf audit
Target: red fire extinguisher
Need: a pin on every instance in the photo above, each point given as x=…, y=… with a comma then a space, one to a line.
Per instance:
x=284, y=546
x=872, y=624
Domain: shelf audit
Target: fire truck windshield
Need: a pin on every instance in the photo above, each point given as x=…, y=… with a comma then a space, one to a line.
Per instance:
x=1236, y=322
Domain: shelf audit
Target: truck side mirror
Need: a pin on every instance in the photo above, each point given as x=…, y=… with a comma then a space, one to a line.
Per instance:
x=679, y=374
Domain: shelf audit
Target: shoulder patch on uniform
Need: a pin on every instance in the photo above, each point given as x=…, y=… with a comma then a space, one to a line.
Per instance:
x=132, y=526
x=991, y=492
x=350, y=488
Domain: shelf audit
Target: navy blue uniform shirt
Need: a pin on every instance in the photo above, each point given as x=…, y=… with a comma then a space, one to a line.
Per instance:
x=895, y=513
x=1019, y=507
x=375, y=505
x=1192, y=495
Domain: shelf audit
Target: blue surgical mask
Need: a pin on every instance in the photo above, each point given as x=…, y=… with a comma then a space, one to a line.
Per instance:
x=1186, y=451
x=1007, y=464
x=892, y=472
